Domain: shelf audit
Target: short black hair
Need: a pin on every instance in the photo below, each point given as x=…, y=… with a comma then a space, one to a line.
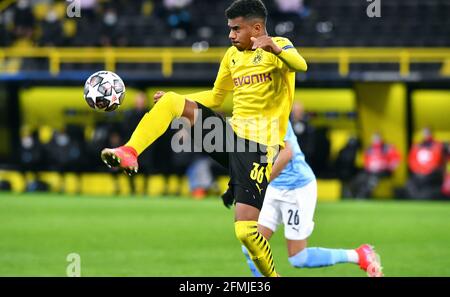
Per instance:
x=248, y=9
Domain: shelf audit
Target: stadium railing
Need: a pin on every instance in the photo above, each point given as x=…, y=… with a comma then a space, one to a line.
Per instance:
x=167, y=57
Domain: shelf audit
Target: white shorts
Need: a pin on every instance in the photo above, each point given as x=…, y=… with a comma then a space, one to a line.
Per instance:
x=294, y=208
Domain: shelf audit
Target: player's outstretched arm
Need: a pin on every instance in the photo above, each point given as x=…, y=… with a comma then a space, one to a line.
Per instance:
x=293, y=60
x=282, y=160
x=283, y=49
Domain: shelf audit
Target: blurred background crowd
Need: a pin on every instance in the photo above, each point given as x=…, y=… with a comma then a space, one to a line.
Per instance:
x=69, y=150
x=187, y=22
x=200, y=24
x=361, y=159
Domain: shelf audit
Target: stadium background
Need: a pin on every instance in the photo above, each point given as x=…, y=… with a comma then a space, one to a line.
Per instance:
x=389, y=74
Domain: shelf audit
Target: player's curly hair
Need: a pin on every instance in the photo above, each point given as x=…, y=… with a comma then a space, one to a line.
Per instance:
x=248, y=9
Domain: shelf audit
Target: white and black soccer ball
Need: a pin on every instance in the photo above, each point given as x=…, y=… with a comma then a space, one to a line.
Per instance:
x=104, y=90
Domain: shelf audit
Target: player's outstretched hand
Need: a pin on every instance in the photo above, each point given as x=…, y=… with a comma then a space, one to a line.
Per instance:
x=266, y=43
x=158, y=96
x=228, y=198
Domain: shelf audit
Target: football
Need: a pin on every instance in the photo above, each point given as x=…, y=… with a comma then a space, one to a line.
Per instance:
x=104, y=90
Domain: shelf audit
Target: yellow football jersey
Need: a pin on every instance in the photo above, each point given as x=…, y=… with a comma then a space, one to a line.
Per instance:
x=263, y=91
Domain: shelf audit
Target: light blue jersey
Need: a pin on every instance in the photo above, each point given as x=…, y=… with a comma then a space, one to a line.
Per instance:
x=297, y=172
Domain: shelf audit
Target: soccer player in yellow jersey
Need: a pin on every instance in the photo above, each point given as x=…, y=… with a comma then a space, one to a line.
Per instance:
x=260, y=71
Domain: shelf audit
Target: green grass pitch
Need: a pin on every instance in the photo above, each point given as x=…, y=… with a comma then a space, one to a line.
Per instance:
x=168, y=236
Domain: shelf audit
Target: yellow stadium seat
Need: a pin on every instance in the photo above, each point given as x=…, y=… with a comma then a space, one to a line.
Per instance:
x=139, y=184
x=15, y=178
x=328, y=190
x=156, y=185
x=53, y=179
x=123, y=182
x=69, y=28
x=147, y=8
x=338, y=139
x=60, y=9
x=71, y=183
x=29, y=176
x=359, y=161
x=98, y=184
x=222, y=182
x=40, y=10
x=89, y=131
x=184, y=187
x=384, y=189
x=45, y=134
x=445, y=70
x=173, y=185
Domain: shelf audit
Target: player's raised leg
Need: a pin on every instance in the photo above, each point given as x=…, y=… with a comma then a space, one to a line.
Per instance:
x=154, y=123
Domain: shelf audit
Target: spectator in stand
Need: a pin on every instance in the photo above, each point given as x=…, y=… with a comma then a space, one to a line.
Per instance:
x=133, y=116
x=63, y=152
x=380, y=161
x=23, y=20
x=52, y=31
x=31, y=152
x=88, y=9
x=381, y=158
x=4, y=32
x=427, y=156
x=445, y=189
x=178, y=17
x=314, y=142
x=288, y=10
x=426, y=163
x=131, y=119
x=111, y=33
x=295, y=7
x=303, y=130
x=345, y=164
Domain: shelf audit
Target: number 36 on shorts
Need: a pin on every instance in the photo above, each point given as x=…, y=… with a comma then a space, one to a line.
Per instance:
x=259, y=171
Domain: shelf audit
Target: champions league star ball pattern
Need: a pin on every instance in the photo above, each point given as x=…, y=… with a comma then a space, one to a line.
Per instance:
x=104, y=90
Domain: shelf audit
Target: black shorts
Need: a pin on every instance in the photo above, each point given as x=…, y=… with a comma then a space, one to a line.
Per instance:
x=245, y=160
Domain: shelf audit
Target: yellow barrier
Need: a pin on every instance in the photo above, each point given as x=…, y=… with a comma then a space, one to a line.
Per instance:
x=169, y=56
x=16, y=179
x=71, y=183
x=329, y=190
x=106, y=184
x=156, y=185
x=98, y=184
x=53, y=179
x=123, y=184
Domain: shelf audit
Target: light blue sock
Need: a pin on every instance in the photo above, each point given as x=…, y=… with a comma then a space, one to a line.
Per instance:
x=318, y=257
x=250, y=263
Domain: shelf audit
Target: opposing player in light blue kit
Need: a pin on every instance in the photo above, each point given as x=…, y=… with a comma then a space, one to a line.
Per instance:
x=291, y=199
